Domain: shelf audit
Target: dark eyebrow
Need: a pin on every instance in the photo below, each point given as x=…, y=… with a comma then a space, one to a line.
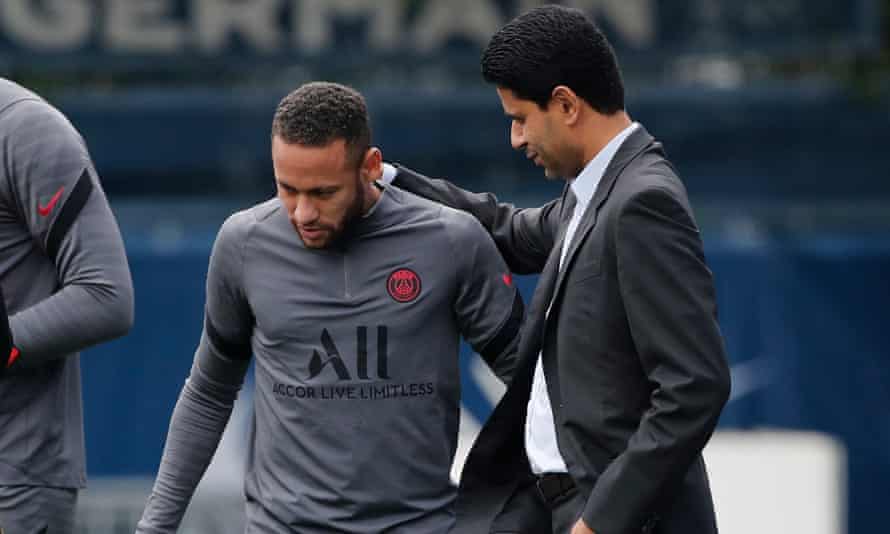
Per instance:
x=325, y=189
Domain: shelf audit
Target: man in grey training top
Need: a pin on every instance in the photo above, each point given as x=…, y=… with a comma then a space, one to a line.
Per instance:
x=352, y=296
x=64, y=286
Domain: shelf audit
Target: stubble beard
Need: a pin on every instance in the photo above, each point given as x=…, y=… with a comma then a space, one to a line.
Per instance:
x=338, y=237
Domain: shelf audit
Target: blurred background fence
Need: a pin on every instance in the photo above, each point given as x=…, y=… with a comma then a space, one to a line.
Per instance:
x=775, y=112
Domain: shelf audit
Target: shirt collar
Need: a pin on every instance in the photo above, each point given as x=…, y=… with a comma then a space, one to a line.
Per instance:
x=584, y=186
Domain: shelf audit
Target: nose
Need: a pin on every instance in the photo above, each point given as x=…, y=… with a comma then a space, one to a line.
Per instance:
x=517, y=136
x=305, y=211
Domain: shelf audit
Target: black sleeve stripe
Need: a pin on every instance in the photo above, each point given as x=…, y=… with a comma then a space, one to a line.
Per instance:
x=231, y=349
x=509, y=331
x=72, y=208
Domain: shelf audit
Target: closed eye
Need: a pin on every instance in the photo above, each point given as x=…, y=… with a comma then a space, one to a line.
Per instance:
x=286, y=188
x=324, y=193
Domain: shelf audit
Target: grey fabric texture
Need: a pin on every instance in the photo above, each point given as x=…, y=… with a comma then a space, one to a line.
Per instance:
x=67, y=285
x=357, y=392
x=37, y=510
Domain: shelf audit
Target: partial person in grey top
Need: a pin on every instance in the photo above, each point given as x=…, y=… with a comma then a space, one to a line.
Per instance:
x=65, y=286
x=352, y=297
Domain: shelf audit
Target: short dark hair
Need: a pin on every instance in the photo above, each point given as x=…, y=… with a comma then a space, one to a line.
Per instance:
x=318, y=113
x=555, y=45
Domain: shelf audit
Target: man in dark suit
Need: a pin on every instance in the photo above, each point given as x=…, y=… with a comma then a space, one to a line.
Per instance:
x=622, y=372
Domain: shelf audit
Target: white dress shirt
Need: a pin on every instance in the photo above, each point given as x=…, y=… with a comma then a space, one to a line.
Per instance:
x=540, y=428
x=389, y=173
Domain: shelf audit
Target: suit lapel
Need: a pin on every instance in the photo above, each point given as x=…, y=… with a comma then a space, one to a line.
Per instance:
x=530, y=342
x=504, y=421
x=634, y=145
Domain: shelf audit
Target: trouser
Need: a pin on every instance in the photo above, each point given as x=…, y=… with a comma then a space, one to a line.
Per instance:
x=536, y=509
x=565, y=511
x=528, y=511
x=549, y=504
x=37, y=510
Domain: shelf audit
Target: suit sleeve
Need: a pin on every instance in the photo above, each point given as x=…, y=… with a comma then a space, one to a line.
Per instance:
x=488, y=307
x=669, y=298
x=524, y=236
x=206, y=401
x=57, y=193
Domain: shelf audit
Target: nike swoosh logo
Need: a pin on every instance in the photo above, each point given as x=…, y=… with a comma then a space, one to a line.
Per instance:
x=45, y=210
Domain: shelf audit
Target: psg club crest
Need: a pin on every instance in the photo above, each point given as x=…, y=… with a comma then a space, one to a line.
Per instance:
x=403, y=285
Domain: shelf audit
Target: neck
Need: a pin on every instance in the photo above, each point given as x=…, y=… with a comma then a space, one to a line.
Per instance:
x=372, y=195
x=598, y=132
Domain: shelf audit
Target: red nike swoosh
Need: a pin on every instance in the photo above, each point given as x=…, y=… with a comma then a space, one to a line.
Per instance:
x=45, y=210
x=13, y=356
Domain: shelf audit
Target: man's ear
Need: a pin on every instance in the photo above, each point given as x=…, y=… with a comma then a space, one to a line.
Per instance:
x=372, y=165
x=567, y=103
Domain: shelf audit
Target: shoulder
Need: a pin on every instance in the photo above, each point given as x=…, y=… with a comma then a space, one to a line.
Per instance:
x=654, y=194
x=453, y=221
x=40, y=142
x=12, y=93
x=238, y=227
x=30, y=115
x=649, y=178
x=466, y=236
x=461, y=225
